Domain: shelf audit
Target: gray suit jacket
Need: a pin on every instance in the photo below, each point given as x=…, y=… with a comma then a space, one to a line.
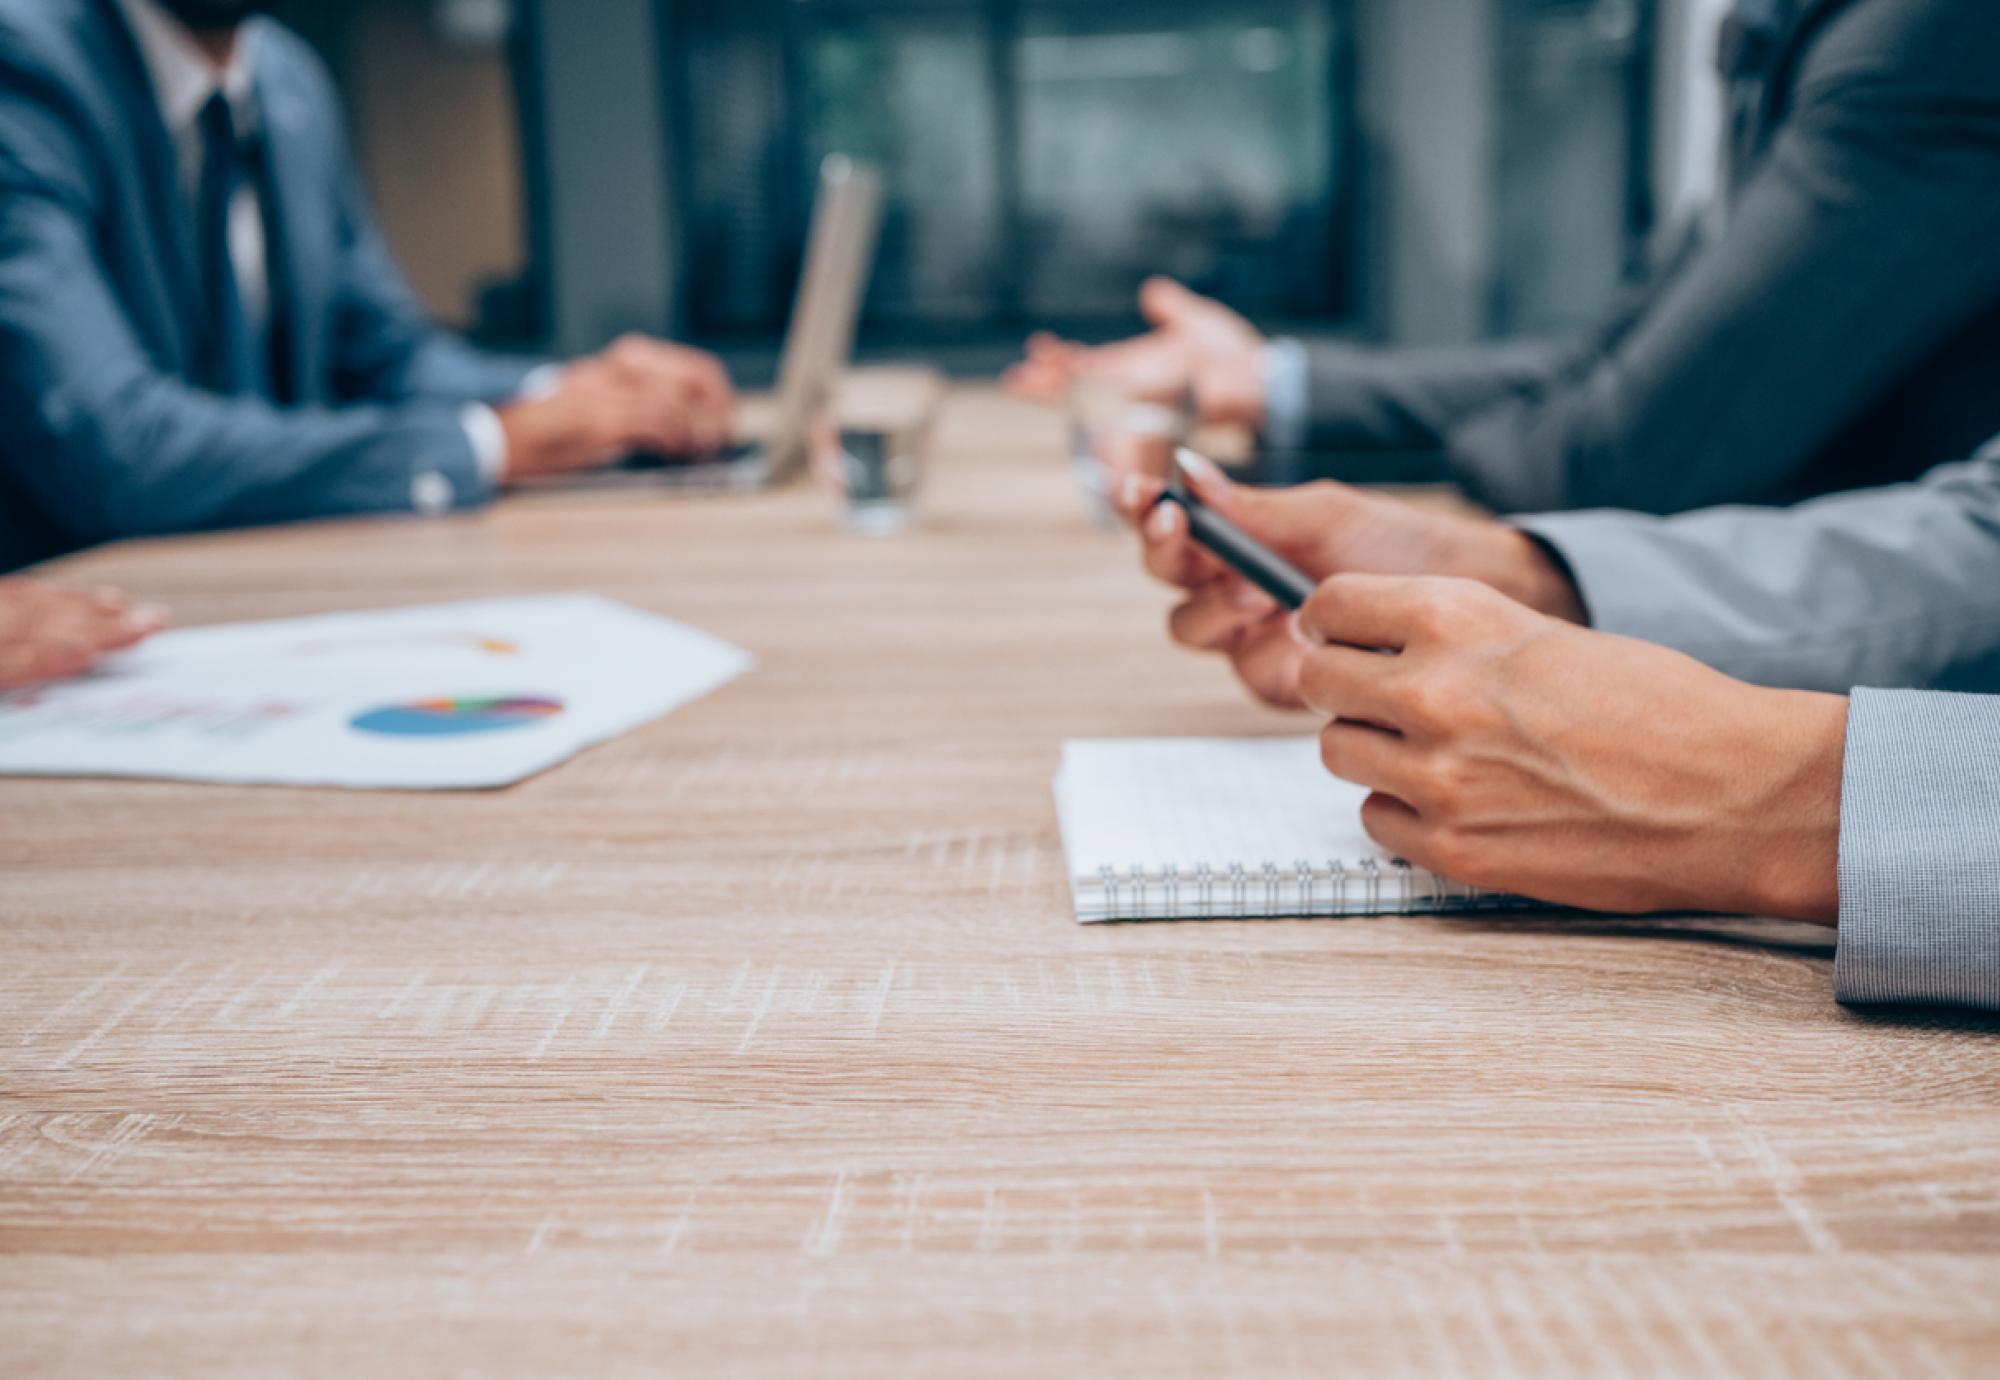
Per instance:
x=1842, y=330
x=1894, y=589
x=100, y=313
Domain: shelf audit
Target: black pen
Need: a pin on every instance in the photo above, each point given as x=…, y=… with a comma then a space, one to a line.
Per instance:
x=1233, y=546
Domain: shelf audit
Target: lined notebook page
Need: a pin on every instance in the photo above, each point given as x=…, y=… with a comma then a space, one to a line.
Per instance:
x=1196, y=828
x=1155, y=803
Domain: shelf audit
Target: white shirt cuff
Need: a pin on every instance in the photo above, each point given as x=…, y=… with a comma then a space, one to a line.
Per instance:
x=1286, y=379
x=540, y=383
x=488, y=439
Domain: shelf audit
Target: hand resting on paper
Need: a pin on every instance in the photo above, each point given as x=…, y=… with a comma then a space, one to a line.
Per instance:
x=48, y=632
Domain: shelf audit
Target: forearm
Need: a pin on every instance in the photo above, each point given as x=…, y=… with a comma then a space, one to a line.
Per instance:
x=1410, y=400
x=155, y=457
x=433, y=365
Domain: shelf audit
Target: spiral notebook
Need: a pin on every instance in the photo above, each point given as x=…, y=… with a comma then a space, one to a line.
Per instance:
x=1212, y=829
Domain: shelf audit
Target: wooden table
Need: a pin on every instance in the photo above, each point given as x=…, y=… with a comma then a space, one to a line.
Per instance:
x=762, y=1043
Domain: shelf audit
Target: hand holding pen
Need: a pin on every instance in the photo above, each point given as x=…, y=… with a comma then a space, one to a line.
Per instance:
x=1318, y=531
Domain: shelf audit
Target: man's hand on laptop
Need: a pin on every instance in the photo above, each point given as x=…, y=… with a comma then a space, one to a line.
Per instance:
x=1197, y=346
x=1325, y=530
x=638, y=396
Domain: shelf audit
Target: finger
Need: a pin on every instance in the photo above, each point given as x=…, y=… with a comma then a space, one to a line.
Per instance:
x=703, y=382
x=1166, y=303
x=707, y=418
x=714, y=376
x=1294, y=521
x=1267, y=660
x=18, y=599
x=1046, y=347
x=1171, y=555
x=1344, y=682
x=33, y=663
x=1216, y=616
x=76, y=627
x=1146, y=454
x=1135, y=496
x=1383, y=611
x=672, y=433
x=1368, y=756
x=1148, y=368
x=135, y=627
x=1397, y=827
x=707, y=434
x=634, y=423
x=1036, y=382
x=667, y=418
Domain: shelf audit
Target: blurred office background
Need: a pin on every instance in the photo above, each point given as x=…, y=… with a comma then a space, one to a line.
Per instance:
x=554, y=171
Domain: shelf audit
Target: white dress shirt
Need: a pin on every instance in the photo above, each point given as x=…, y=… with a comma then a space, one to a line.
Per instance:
x=184, y=80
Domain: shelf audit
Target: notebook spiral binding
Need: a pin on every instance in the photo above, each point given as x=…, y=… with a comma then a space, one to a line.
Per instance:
x=1305, y=890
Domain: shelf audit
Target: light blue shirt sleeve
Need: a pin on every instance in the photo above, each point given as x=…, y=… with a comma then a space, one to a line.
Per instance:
x=1920, y=851
x=1287, y=382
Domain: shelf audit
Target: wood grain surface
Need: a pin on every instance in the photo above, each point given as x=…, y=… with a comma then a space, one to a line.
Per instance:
x=762, y=1043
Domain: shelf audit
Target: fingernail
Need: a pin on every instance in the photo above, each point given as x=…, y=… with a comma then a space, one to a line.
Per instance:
x=1160, y=524
x=1129, y=491
x=1202, y=471
x=1249, y=598
x=1306, y=635
x=150, y=616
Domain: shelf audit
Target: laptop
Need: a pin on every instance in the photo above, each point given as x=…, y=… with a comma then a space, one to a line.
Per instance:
x=773, y=434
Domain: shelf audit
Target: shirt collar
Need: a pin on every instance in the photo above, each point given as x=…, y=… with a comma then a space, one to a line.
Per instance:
x=183, y=77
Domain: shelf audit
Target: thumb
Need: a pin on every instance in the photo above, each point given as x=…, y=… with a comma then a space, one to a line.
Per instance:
x=1166, y=304
x=1288, y=520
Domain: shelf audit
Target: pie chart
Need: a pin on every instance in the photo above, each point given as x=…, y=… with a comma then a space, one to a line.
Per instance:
x=457, y=718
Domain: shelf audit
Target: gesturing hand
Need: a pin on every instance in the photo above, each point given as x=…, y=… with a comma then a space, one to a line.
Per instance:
x=1323, y=529
x=1514, y=751
x=48, y=633
x=1196, y=346
x=639, y=395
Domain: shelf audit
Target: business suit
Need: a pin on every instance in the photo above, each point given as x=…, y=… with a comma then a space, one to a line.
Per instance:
x=1894, y=589
x=111, y=433
x=1842, y=330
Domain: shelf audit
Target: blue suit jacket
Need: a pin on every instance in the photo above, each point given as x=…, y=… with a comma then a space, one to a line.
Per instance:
x=102, y=433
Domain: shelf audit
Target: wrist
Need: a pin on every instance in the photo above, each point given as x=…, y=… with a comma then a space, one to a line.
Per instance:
x=1528, y=572
x=525, y=439
x=1795, y=750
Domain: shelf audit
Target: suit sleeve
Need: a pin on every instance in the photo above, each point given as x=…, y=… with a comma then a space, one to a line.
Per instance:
x=1889, y=587
x=107, y=445
x=1411, y=400
x=1863, y=244
x=1919, y=853
x=386, y=346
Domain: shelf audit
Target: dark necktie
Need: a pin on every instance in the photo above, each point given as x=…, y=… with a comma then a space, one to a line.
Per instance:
x=236, y=361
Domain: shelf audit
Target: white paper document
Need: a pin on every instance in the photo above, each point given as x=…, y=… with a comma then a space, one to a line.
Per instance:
x=1216, y=828
x=443, y=697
